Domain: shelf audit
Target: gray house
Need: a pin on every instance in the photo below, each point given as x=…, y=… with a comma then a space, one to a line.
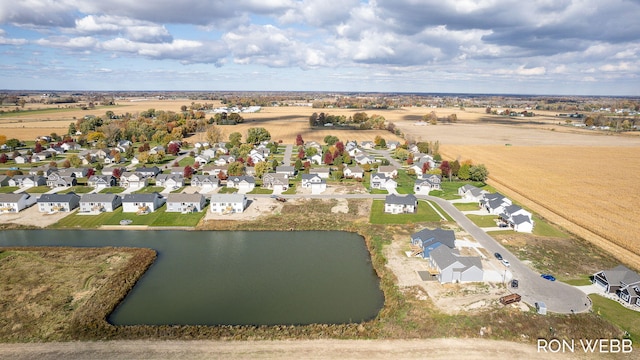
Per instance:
x=48, y=203
x=206, y=183
x=395, y=204
x=428, y=240
x=100, y=202
x=453, y=268
x=620, y=281
x=186, y=203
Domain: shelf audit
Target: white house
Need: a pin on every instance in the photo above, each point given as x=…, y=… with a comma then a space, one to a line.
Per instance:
x=395, y=204
x=13, y=203
x=314, y=182
x=170, y=180
x=388, y=171
x=102, y=181
x=186, y=203
x=324, y=173
x=381, y=182
x=202, y=159
x=228, y=203
x=453, y=268
x=133, y=180
x=354, y=172
x=471, y=193
x=427, y=183
x=206, y=183
x=279, y=183
x=244, y=184
x=142, y=203
x=96, y=203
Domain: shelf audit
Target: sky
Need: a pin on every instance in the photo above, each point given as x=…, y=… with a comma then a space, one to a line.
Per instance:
x=542, y=47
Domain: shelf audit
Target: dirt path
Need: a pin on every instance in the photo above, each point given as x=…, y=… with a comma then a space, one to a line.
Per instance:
x=302, y=349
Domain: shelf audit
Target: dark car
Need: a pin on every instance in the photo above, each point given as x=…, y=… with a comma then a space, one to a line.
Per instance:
x=548, y=277
x=514, y=283
x=498, y=256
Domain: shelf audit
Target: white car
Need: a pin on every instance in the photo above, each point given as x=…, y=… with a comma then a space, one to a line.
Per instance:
x=505, y=262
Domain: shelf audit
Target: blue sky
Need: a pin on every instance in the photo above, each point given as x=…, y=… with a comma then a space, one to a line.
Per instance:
x=574, y=47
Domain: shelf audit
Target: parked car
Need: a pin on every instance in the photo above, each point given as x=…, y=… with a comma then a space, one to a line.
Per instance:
x=548, y=277
x=506, y=262
x=498, y=256
x=514, y=283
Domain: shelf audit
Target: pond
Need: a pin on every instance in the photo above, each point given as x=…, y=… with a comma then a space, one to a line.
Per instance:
x=236, y=277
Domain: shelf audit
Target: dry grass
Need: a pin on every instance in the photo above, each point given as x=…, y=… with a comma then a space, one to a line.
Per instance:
x=590, y=191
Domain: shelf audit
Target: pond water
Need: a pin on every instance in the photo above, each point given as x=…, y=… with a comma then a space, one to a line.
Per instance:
x=236, y=278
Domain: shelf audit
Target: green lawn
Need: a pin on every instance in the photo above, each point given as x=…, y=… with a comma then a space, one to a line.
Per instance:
x=260, y=190
x=38, y=189
x=627, y=320
x=466, y=206
x=8, y=189
x=425, y=214
x=187, y=160
x=405, y=182
x=157, y=218
x=149, y=190
x=112, y=190
x=226, y=190
x=77, y=189
x=543, y=228
x=483, y=220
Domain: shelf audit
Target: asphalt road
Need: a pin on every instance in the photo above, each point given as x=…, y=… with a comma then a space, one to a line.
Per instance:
x=558, y=297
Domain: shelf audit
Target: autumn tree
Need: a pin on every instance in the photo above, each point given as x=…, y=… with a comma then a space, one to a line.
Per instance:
x=236, y=168
x=173, y=148
x=214, y=134
x=3, y=158
x=257, y=135
x=187, y=172
x=328, y=158
x=299, y=141
x=425, y=167
x=301, y=153
x=464, y=173
x=261, y=168
x=75, y=160
x=235, y=139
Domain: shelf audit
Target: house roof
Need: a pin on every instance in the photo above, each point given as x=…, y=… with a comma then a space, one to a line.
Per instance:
x=309, y=176
x=233, y=198
x=520, y=219
x=186, y=198
x=354, y=169
x=58, y=197
x=99, y=197
x=428, y=236
x=285, y=168
x=443, y=257
x=141, y=197
x=238, y=179
x=400, y=200
x=621, y=275
x=387, y=169
x=12, y=198
x=319, y=171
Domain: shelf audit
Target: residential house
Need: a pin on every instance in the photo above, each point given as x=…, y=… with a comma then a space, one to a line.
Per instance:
x=395, y=204
x=354, y=172
x=389, y=171
x=148, y=172
x=41, y=156
x=110, y=159
x=133, y=180
x=179, y=170
x=382, y=182
x=57, y=180
x=258, y=155
x=48, y=203
x=157, y=150
x=620, y=281
x=207, y=183
x=228, y=203
x=22, y=159
x=224, y=160
x=202, y=159
x=427, y=183
x=33, y=181
x=186, y=203
x=453, y=268
x=471, y=193
x=494, y=203
x=316, y=158
x=314, y=182
x=201, y=145
x=13, y=203
x=427, y=240
x=142, y=203
x=71, y=146
x=324, y=173
x=102, y=181
x=4, y=180
x=77, y=172
x=214, y=169
x=96, y=203
x=43, y=170
x=170, y=180
x=244, y=184
x=367, y=145
x=517, y=218
x=313, y=144
x=363, y=159
x=211, y=153
x=110, y=170
x=286, y=170
x=278, y=182
x=392, y=145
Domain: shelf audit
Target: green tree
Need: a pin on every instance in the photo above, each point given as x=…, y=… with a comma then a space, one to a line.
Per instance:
x=331, y=140
x=235, y=118
x=235, y=139
x=74, y=160
x=236, y=168
x=13, y=143
x=464, y=173
x=298, y=165
x=257, y=135
x=402, y=154
x=274, y=164
x=478, y=173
